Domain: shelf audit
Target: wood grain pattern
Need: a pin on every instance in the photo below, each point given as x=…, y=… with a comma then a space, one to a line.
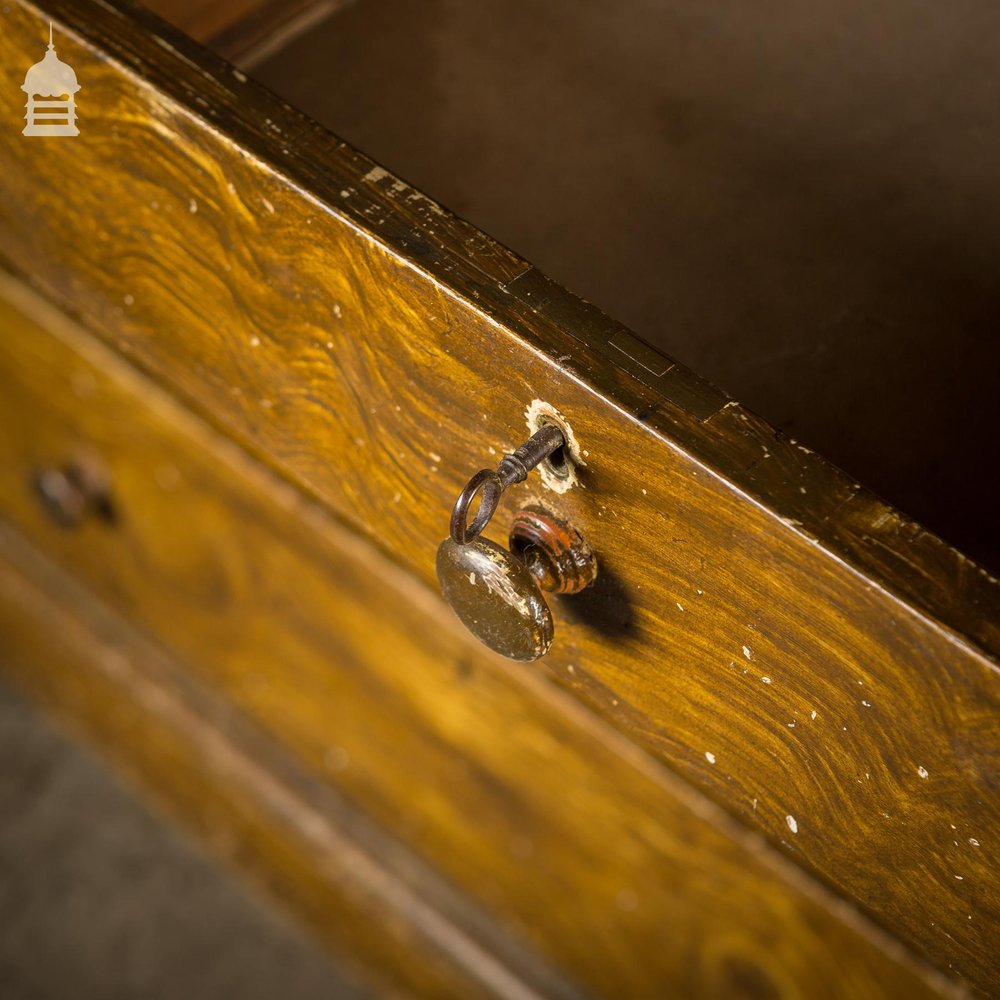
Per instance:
x=758, y=203
x=236, y=791
x=349, y=332
x=581, y=846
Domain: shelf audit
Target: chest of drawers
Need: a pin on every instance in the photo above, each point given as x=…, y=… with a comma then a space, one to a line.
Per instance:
x=255, y=368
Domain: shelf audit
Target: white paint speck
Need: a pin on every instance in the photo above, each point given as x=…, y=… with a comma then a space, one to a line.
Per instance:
x=472, y=579
x=747, y=653
x=680, y=607
x=973, y=841
x=433, y=457
x=867, y=704
x=192, y=206
x=961, y=878
x=792, y=824
x=923, y=772
x=242, y=77
x=268, y=205
x=765, y=680
x=255, y=341
x=812, y=715
x=710, y=757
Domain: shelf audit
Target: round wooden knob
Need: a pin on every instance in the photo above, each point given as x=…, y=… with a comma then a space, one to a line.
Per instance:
x=495, y=597
x=554, y=552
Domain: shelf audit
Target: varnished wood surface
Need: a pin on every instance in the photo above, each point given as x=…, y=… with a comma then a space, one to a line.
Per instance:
x=236, y=791
x=746, y=584
x=794, y=199
x=581, y=847
x=205, y=19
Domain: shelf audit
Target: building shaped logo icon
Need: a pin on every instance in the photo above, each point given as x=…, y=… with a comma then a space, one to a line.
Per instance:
x=50, y=86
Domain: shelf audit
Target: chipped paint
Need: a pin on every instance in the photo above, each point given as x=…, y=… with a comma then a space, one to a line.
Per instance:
x=534, y=415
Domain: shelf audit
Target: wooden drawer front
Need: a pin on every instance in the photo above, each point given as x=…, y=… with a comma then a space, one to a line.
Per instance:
x=601, y=860
x=795, y=649
x=369, y=902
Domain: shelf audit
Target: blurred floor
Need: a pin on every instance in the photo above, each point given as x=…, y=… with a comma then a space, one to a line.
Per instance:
x=98, y=900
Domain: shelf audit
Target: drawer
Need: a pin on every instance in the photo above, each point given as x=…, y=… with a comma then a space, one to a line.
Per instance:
x=792, y=649
x=600, y=861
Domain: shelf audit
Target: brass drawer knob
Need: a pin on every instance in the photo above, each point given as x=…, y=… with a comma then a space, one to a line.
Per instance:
x=495, y=592
x=72, y=492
